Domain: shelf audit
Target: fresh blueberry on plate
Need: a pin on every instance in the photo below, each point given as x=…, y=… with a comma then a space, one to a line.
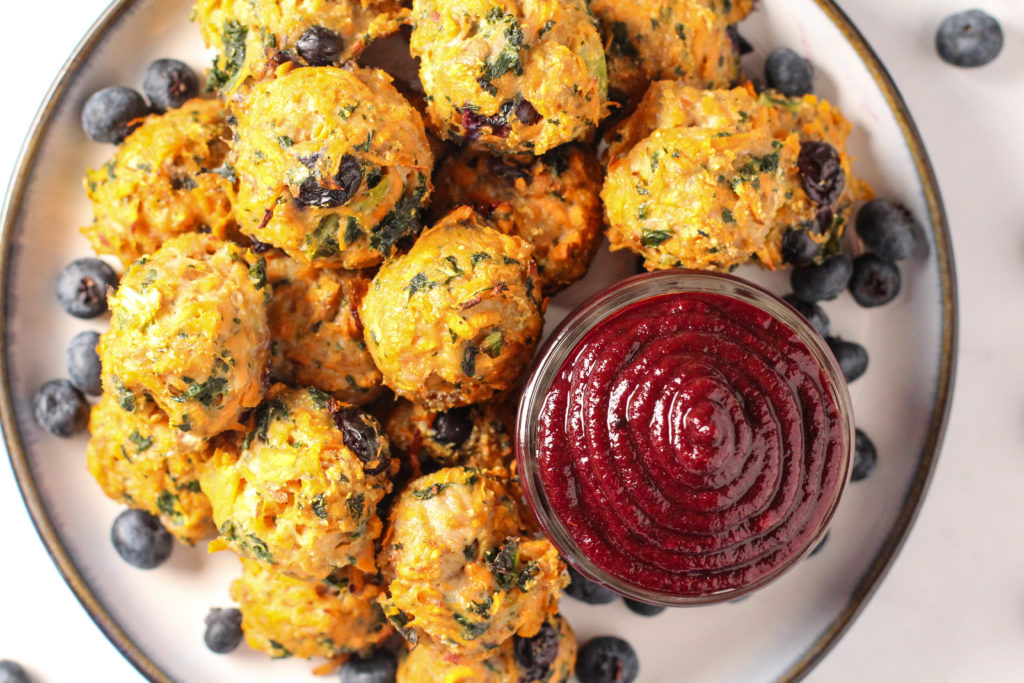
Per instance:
x=84, y=363
x=536, y=654
x=111, y=114
x=12, y=672
x=875, y=281
x=852, y=357
x=607, y=660
x=60, y=408
x=865, y=457
x=789, y=73
x=888, y=229
x=82, y=287
x=824, y=281
x=971, y=38
x=140, y=539
x=223, y=630
x=169, y=83
x=798, y=249
x=585, y=590
x=379, y=667
x=642, y=608
x=812, y=313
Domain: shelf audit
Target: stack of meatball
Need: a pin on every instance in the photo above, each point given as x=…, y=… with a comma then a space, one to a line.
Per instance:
x=298, y=369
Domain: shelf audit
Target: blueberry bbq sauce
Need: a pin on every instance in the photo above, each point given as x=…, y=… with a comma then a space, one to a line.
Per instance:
x=690, y=444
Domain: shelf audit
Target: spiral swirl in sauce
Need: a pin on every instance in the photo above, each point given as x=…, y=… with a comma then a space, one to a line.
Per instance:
x=690, y=444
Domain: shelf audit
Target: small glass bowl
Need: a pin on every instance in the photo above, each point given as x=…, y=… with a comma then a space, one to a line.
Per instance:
x=593, y=312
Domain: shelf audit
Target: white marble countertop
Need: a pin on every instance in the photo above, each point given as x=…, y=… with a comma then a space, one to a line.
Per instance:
x=952, y=607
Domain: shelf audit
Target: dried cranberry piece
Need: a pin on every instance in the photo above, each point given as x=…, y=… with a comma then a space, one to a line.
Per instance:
x=509, y=172
x=822, y=173
x=527, y=113
x=536, y=655
x=473, y=123
x=343, y=187
x=361, y=435
x=259, y=247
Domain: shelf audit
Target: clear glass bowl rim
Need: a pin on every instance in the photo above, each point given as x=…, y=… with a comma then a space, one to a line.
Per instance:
x=591, y=313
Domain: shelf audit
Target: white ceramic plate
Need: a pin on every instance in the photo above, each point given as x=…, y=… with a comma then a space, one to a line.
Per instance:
x=156, y=618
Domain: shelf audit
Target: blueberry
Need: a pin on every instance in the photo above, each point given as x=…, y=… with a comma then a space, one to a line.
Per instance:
x=111, y=114
x=361, y=434
x=453, y=427
x=169, y=83
x=887, y=229
x=819, y=282
x=642, y=608
x=788, y=72
x=875, y=281
x=223, y=630
x=798, y=249
x=535, y=655
x=379, y=667
x=84, y=363
x=821, y=544
x=585, y=590
x=140, y=539
x=12, y=672
x=320, y=46
x=865, y=457
x=852, y=357
x=607, y=660
x=971, y=38
x=60, y=408
x=813, y=313
x=82, y=287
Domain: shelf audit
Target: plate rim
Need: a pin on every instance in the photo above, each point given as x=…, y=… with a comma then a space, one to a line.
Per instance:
x=863, y=591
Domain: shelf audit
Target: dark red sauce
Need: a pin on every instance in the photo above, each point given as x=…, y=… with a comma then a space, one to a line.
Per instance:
x=690, y=444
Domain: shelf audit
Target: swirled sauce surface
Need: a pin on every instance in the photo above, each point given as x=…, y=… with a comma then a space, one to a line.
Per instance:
x=690, y=444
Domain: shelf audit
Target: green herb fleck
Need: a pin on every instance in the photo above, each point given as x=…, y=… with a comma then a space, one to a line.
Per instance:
x=429, y=492
x=471, y=630
x=323, y=242
x=652, y=238
x=492, y=344
x=141, y=443
x=233, y=38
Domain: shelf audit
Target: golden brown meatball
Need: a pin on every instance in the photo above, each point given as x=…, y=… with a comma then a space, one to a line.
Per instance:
x=552, y=202
x=139, y=460
x=284, y=616
x=316, y=338
x=299, y=490
x=687, y=40
x=548, y=657
x=189, y=328
x=252, y=36
x=478, y=435
x=457, y=318
x=333, y=166
x=166, y=179
x=712, y=178
x=459, y=569
x=510, y=75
